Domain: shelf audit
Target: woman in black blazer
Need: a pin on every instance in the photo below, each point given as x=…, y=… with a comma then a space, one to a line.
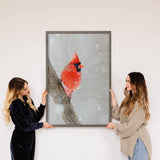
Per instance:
x=20, y=107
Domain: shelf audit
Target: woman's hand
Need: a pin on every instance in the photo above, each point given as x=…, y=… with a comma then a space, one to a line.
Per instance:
x=110, y=125
x=44, y=94
x=113, y=98
x=47, y=125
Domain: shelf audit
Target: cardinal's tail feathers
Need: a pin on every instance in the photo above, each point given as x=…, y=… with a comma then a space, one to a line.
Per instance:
x=68, y=92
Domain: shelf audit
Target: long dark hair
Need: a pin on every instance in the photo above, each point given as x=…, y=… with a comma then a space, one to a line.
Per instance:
x=137, y=94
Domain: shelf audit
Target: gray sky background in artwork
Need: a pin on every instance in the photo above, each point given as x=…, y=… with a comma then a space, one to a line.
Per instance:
x=90, y=101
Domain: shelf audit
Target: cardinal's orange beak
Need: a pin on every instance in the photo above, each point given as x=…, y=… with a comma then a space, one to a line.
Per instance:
x=80, y=66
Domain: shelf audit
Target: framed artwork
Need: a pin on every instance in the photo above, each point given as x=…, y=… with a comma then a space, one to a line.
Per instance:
x=78, y=78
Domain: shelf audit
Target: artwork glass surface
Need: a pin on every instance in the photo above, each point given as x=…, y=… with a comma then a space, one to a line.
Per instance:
x=78, y=78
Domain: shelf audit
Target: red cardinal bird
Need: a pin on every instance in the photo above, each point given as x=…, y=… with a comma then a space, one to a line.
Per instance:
x=71, y=75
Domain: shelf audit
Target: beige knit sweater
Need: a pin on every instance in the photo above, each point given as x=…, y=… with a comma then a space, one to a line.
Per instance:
x=131, y=128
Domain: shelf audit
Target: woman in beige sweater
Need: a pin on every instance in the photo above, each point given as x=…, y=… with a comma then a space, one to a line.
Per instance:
x=133, y=115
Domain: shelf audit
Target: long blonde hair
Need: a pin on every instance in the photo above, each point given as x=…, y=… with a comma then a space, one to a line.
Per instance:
x=137, y=94
x=14, y=88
